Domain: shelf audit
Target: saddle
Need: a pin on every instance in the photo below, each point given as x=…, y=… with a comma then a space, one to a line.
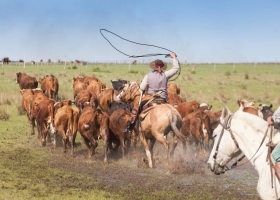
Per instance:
x=145, y=112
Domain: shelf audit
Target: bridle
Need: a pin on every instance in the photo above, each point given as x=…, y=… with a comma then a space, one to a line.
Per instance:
x=226, y=126
x=131, y=91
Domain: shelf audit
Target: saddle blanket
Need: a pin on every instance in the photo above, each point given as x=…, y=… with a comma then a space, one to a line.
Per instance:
x=275, y=155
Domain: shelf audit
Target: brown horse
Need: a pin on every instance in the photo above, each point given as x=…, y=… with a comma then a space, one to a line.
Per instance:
x=162, y=119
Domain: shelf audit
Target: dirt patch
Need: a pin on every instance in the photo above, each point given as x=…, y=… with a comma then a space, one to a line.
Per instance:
x=184, y=177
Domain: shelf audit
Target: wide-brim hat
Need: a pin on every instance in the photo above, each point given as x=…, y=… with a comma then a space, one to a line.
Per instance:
x=158, y=63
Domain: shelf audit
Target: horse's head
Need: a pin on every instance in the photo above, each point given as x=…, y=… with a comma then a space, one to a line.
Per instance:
x=129, y=92
x=224, y=148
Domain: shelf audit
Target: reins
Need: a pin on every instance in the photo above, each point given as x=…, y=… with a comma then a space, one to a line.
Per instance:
x=226, y=127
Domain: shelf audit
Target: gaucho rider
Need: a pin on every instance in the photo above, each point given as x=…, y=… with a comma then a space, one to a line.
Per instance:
x=275, y=155
x=155, y=83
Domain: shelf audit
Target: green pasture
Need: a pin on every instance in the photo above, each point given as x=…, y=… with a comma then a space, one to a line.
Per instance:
x=24, y=170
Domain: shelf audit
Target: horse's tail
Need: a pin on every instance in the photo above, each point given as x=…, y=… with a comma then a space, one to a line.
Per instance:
x=174, y=116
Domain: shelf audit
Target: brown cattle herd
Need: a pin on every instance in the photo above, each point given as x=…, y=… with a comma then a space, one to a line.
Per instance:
x=95, y=114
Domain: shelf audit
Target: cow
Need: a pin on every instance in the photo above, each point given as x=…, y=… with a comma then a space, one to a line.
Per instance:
x=187, y=107
x=95, y=87
x=134, y=62
x=49, y=61
x=41, y=62
x=32, y=62
x=118, y=120
x=248, y=107
x=44, y=118
x=266, y=110
x=25, y=81
x=196, y=126
x=6, y=60
x=49, y=85
x=173, y=88
x=118, y=84
x=26, y=103
x=66, y=122
x=92, y=125
x=106, y=98
x=86, y=96
x=78, y=85
x=20, y=61
x=79, y=62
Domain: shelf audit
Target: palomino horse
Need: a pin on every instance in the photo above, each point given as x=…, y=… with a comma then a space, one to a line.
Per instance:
x=246, y=133
x=162, y=119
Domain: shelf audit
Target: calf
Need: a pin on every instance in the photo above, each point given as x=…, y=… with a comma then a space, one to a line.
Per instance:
x=78, y=85
x=248, y=107
x=93, y=124
x=26, y=82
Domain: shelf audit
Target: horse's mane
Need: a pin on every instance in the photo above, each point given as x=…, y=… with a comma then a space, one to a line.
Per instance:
x=253, y=121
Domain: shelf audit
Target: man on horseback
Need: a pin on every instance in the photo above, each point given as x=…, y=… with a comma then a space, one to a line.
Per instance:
x=155, y=83
x=275, y=143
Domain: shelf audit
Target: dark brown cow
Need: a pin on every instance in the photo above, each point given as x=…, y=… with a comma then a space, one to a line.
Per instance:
x=66, y=122
x=26, y=103
x=44, y=118
x=49, y=85
x=187, y=107
x=32, y=62
x=26, y=82
x=118, y=120
x=92, y=125
x=196, y=127
x=6, y=60
x=134, y=62
x=106, y=98
x=78, y=62
x=78, y=85
x=85, y=96
x=21, y=61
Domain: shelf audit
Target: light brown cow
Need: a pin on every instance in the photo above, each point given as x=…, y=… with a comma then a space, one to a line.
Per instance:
x=187, y=107
x=26, y=82
x=86, y=96
x=248, y=107
x=44, y=118
x=65, y=122
x=26, y=103
x=173, y=88
x=106, y=98
x=49, y=85
x=92, y=125
x=95, y=87
x=78, y=85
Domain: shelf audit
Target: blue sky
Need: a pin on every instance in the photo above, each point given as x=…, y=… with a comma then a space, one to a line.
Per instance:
x=197, y=31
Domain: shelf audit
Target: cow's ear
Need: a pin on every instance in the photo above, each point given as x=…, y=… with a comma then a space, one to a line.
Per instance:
x=69, y=102
x=270, y=106
x=210, y=107
x=22, y=91
x=238, y=102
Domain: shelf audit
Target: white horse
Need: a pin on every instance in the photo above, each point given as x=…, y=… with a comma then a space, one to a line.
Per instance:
x=244, y=132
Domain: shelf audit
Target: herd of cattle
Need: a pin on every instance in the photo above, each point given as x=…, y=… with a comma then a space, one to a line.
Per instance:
x=95, y=114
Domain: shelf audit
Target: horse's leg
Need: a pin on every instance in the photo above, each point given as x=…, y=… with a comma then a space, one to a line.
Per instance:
x=146, y=147
x=105, y=146
x=160, y=138
x=174, y=144
x=151, y=146
x=123, y=145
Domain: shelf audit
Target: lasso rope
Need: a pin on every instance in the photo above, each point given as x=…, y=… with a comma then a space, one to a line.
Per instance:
x=146, y=55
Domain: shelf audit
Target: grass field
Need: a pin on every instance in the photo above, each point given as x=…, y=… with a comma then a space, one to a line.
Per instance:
x=24, y=169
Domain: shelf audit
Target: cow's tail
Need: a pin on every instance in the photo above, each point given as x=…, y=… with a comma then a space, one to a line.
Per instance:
x=174, y=116
x=51, y=118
